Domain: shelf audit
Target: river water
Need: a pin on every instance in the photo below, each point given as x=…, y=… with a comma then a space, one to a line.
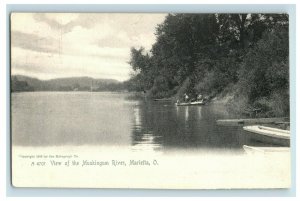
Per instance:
x=189, y=149
x=113, y=119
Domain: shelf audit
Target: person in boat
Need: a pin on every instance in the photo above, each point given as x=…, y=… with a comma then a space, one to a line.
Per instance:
x=206, y=98
x=199, y=97
x=186, y=97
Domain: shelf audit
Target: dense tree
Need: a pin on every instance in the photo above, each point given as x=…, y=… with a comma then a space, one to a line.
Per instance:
x=18, y=85
x=207, y=53
x=265, y=70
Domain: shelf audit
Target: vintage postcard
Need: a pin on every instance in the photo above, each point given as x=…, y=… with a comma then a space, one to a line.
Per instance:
x=154, y=101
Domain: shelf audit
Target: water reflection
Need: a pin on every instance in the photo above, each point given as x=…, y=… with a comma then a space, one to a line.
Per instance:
x=80, y=118
x=158, y=126
x=143, y=137
x=199, y=112
x=186, y=113
x=146, y=142
x=137, y=117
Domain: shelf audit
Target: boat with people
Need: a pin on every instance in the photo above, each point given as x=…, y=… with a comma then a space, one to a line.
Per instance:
x=189, y=101
x=201, y=102
x=268, y=135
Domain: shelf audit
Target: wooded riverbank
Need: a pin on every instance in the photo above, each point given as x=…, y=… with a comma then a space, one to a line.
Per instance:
x=241, y=56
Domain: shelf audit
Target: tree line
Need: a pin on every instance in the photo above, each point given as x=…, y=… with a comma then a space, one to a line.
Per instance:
x=241, y=56
x=20, y=83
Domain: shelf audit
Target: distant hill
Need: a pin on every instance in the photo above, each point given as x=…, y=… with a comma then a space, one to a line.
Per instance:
x=26, y=83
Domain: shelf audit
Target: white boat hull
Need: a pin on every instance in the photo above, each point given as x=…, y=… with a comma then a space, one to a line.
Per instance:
x=268, y=135
x=191, y=103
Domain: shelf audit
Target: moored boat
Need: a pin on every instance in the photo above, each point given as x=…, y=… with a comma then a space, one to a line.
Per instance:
x=162, y=99
x=265, y=150
x=254, y=121
x=268, y=135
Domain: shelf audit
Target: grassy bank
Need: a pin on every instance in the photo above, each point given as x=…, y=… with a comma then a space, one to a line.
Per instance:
x=276, y=105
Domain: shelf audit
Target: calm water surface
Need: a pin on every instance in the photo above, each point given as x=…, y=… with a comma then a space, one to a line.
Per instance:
x=104, y=118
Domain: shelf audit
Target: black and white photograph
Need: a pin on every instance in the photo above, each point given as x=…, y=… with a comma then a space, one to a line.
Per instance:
x=150, y=100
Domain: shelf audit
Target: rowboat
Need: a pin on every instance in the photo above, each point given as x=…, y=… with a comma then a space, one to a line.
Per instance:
x=162, y=99
x=268, y=135
x=191, y=103
x=246, y=122
x=265, y=150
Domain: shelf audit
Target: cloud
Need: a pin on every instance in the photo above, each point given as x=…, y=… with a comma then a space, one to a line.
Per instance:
x=52, y=65
x=65, y=22
x=61, y=22
x=32, y=42
x=50, y=45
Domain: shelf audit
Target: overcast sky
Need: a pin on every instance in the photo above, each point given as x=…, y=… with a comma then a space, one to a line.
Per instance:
x=46, y=46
